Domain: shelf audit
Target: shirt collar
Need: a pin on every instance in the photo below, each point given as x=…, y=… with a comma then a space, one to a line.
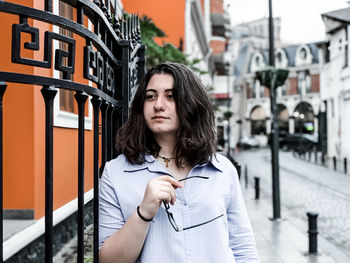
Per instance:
x=149, y=163
x=215, y=163
x=153, y=166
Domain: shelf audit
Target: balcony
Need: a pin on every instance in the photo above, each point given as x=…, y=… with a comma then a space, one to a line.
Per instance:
x=221, y=25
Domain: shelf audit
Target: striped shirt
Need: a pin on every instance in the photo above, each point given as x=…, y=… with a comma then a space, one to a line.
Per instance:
x=226, y=239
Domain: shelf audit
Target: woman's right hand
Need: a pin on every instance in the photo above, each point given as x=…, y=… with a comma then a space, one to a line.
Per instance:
x=158, y=189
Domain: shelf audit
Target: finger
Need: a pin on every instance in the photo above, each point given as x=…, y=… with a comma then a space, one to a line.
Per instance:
x=169, y=189
x=175, y=183
x=173, y=196
x=165, y=196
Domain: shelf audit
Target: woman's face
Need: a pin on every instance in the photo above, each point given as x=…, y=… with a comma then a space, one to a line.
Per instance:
x=159, y=109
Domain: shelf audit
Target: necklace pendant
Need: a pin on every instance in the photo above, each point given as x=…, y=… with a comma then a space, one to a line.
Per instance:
x=166, y=160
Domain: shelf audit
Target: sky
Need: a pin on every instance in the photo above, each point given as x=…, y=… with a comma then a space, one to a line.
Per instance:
x=301, y=20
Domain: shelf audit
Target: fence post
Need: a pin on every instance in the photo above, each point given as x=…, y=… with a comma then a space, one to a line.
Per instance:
x=315, y=154
x=48, y=94
x=335, y=163
x=96, y=103
x=81, y=98
x=238, y=167
x=257, y=187
x=312, y=218
x=345, y=165
x=322, y=158
x=246, y=176
x=3, y=87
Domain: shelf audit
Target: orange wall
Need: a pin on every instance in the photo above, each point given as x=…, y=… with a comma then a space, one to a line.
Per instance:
x=18, y=127
x=168, y=15
x=218, y=46
x=24, y=132
x=216, y=7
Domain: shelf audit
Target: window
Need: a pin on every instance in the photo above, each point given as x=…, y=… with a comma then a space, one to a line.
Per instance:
x=307, y=82
x=301, y=81
x=303, y=54
x=65, y=106
x=66, y=96
x=258, y=121
x=279, y=57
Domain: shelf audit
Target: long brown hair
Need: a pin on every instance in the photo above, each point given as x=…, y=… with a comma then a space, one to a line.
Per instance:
x=196, y=138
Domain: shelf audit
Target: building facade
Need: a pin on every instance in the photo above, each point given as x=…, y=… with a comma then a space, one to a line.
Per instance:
x=298, y=99
x=335, y=81
x=221, y=61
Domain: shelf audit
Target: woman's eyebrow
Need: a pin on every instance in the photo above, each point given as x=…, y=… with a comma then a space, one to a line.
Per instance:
x=150, y=90
x=153, y=90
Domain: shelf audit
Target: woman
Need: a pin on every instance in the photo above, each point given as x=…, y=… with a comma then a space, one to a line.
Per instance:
x=169, y=197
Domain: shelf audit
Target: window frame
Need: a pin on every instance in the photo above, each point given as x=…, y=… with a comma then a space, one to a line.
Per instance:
x=63, y=118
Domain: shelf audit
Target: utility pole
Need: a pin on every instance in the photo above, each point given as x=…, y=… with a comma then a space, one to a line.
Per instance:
x=274, y=129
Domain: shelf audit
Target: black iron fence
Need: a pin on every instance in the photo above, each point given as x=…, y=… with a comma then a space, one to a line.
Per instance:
x=113, y=59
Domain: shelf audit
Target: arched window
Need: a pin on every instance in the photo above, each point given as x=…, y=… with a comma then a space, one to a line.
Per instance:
x=303, y=55
x=283, y=118
x=258, y=121
x=304, y=118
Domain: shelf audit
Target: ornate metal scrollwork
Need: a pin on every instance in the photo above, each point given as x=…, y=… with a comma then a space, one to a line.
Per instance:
x=18, y=29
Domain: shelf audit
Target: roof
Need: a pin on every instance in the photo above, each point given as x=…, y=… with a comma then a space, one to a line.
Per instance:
x=342, y=15
x=290, y=53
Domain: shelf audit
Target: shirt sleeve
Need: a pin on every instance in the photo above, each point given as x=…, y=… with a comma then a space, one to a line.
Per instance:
x=110, y=214
x=241, y=237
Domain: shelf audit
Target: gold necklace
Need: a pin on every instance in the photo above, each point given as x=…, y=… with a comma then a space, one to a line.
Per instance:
x=166, y=160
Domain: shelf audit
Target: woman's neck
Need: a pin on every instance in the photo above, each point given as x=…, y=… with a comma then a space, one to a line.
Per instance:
x=167, y=145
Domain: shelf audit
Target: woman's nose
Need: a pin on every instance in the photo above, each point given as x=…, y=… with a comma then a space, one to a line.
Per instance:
x=159, y=104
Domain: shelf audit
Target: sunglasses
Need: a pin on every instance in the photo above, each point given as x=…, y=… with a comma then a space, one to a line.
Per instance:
x=171, y=217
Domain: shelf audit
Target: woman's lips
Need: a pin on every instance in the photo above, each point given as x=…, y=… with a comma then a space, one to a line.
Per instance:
x=159, y=118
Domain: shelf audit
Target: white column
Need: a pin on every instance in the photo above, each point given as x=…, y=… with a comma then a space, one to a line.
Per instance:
x=268, y=126
x=291, y=125
x=348, y=43
x=248, y=128
x=316, y=125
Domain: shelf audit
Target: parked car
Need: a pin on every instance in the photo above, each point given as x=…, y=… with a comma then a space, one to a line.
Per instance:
x=248, y=142
x=299, y=142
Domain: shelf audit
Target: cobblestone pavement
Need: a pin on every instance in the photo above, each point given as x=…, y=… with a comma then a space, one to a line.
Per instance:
x=305, y=187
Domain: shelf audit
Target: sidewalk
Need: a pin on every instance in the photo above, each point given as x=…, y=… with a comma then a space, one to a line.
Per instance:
x=282, y=241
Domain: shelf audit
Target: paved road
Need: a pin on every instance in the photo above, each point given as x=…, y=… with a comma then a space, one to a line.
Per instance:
x=304, y=187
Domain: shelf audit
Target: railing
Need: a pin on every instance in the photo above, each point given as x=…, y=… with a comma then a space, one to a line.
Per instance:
x=113, y=59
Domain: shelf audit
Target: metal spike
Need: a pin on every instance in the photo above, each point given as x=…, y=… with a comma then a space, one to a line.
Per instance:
x=97, y=2
x=132, y=27
x=122, y=31
x=127, y=29
x=104, y=8
x=130, y=33
x=116, y=19
x=139, y=30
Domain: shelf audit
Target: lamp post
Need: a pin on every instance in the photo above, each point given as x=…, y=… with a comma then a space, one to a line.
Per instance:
x=272, y=78
x=228, y=112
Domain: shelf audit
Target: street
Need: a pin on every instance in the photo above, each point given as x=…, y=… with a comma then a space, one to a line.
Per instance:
x=304, y=187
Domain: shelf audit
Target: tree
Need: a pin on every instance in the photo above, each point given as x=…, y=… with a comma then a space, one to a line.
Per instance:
x=156, y=54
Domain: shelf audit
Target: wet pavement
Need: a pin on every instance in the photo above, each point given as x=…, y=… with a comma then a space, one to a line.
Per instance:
x=304, y=187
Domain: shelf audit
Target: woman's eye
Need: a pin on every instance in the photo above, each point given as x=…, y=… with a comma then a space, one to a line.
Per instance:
x=150, y=97
x=170, y=96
